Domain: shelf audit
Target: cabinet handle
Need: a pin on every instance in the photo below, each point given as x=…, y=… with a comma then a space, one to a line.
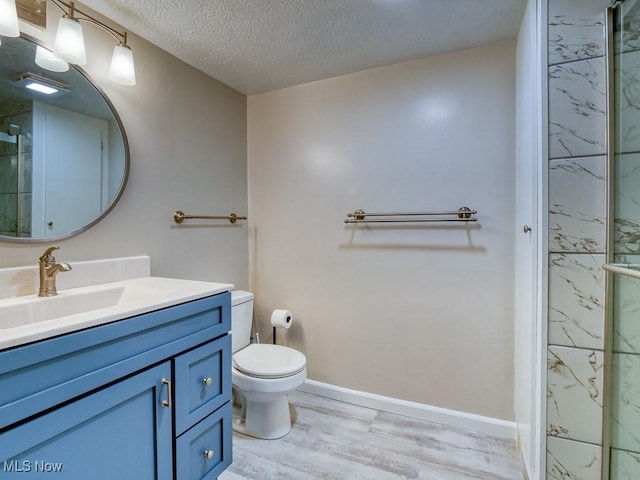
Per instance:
x=208, y=454
x=167, y=402
x=207, y=382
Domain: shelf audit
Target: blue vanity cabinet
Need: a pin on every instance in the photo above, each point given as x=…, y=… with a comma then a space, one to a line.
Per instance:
x=119, y=432
x=148, y=397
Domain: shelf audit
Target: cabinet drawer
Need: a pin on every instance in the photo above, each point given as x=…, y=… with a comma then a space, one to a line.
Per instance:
x=204, y=451
x=202, y=382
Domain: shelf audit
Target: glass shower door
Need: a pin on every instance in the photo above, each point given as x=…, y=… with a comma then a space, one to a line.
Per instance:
x=624, y=245
x=9, y=184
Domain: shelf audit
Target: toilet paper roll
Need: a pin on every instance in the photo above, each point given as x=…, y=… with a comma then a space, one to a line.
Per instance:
x=281, y=318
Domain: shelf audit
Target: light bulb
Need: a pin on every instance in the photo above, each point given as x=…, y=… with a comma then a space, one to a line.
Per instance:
x=122, y=69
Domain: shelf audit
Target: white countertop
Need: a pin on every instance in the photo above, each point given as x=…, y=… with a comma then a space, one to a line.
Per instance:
x=28, y=318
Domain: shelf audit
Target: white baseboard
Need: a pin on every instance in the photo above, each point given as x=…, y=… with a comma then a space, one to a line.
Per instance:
x=489, y=425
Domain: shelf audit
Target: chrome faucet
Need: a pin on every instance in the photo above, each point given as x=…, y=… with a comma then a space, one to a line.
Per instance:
x=48, y=271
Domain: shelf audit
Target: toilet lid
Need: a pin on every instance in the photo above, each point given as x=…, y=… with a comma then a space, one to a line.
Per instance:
x=269, y=361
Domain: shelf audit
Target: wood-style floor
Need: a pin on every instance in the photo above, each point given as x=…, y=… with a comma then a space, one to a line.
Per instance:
x=336, y=440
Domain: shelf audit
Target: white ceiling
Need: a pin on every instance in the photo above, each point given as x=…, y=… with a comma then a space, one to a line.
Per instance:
x=255, y=46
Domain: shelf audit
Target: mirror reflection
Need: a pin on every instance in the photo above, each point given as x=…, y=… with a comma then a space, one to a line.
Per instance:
x=63, y=152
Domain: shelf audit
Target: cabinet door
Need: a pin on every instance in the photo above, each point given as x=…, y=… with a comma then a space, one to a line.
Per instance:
x=120, y=432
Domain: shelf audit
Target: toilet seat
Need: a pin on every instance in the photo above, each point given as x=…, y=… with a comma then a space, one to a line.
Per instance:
x=264, y=360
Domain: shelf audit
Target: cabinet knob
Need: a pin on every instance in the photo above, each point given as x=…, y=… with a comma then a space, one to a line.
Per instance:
x=526, y=229
x=208, y=454
x=207, y=382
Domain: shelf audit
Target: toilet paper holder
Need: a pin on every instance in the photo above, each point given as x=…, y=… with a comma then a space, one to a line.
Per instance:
x=280, y=319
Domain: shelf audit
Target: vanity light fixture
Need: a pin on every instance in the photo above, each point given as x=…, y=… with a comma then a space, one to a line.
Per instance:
x=40, y=84
x=69, y=43
x=9, y=19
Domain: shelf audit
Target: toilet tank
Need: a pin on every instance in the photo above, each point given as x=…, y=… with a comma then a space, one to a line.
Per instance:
x=241, y=318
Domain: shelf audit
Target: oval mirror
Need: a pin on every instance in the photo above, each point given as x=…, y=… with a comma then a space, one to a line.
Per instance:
x=64, y=155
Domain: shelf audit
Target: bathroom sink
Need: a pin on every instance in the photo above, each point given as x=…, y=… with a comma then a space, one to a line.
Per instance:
x=29, y=318
x=33, y=309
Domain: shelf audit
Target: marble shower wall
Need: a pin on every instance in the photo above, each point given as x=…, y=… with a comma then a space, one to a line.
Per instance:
x=577, y=203
x=574, y=392
x=568, y=460
x=578, y=92
x=577, y=237
x=576, y=305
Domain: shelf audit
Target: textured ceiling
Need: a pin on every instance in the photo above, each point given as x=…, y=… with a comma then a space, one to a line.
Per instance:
x=255, y=46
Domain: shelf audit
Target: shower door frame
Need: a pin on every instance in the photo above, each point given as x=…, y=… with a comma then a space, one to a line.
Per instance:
x=610, y=237
x=609, y=256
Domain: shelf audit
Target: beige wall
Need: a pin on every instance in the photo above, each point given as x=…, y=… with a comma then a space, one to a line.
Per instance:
x=422, y=313
x=187, y=134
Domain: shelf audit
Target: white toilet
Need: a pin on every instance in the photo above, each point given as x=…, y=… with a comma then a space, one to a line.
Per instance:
x=262, y=376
